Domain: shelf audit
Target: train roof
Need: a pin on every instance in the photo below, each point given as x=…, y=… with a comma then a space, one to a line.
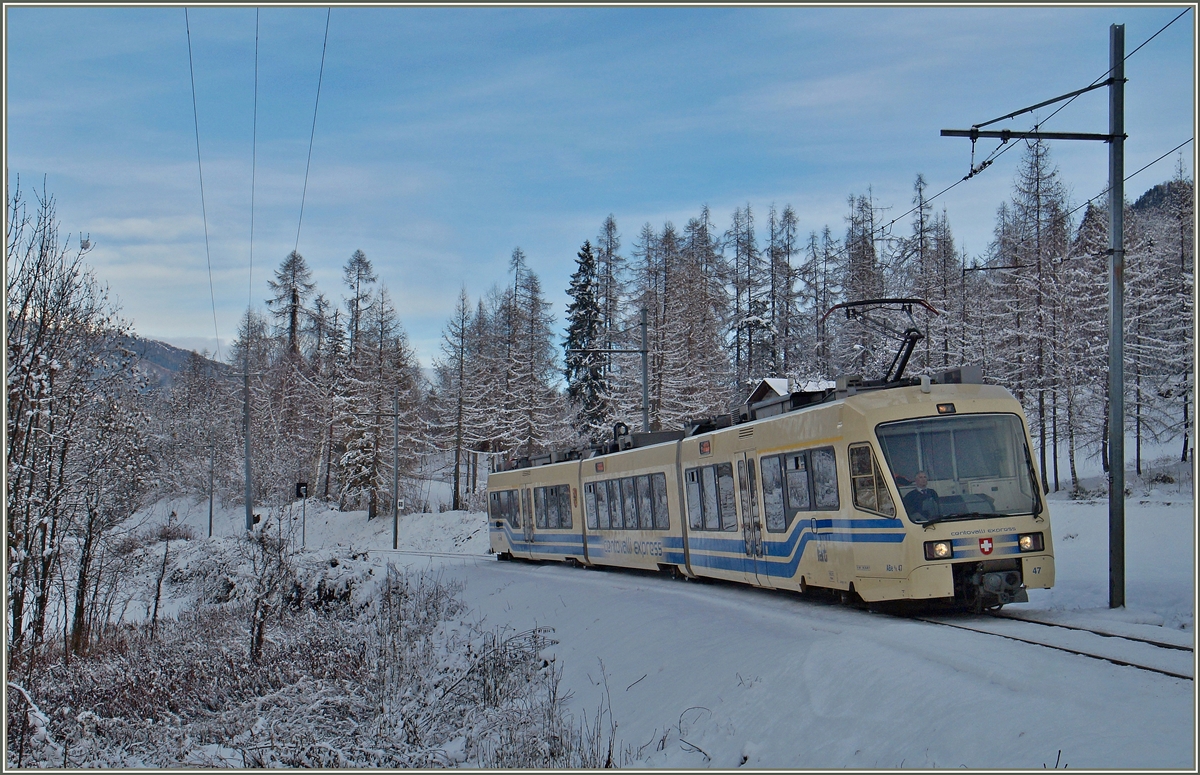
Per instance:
x=773, y=396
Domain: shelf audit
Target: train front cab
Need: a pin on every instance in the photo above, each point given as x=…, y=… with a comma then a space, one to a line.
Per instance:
x=986, y=538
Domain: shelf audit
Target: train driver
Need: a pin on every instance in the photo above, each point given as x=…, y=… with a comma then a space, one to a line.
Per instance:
x=922, y=501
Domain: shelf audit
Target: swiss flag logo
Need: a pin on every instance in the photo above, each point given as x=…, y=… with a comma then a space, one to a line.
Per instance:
x=985, y=545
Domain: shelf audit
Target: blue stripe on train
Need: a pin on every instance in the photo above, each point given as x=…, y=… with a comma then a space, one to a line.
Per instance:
x=703, y=551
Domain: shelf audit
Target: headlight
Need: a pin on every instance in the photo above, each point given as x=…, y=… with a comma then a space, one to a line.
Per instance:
x=1030, y=542
x=939, y=550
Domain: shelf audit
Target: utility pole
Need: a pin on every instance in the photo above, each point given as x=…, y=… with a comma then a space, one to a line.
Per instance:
x=246, y=424
x=395, y=469
x=212, y=457
x=1116, y=319
x=645, y=378
x=1116, y=287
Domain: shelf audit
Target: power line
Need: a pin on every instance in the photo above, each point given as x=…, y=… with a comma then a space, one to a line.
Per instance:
x=200, y=167
x=1004, y=147
x=313, y=134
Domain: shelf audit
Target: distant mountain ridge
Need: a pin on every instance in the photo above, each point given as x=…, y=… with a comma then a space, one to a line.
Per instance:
x=161, y=362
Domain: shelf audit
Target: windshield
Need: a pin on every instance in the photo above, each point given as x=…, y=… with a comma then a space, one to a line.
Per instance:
x=960, y=467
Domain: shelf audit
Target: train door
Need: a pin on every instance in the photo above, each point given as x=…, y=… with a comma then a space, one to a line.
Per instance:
x=752, y=532
x=527, y=516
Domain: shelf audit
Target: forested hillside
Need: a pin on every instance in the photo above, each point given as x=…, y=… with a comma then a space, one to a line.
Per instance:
x=331, y=373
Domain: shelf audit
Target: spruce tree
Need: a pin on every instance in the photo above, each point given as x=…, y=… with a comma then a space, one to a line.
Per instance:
x=586, y=385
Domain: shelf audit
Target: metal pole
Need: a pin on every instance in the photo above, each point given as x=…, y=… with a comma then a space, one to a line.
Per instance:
x=395, y=470
x=304, y=522
x=645, y=378
x=1116, y=343
x=212, y=455
x=246, y=423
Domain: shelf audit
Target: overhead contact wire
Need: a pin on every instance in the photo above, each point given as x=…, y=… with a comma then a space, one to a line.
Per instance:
x=200, y=167
x=313, y=134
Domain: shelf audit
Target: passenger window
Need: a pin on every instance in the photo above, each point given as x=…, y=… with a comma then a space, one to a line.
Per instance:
x=772, y=479
x=798, y=498
x=645, y=509
x=494, y=506
x=695, y=514
x=661, y=515
x=614, y=504
x=602, y=505
x=825, y=478
x=563, y=491
x=526, y=511
x=629, y=500
x=589, y=505
x=539, y=506
x=712, y=519
x=728, y=504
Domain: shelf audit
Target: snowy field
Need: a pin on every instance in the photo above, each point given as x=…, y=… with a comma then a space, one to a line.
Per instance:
x=700, y=675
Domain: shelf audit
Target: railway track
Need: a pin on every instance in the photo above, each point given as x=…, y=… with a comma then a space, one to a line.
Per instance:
x=1156, y=656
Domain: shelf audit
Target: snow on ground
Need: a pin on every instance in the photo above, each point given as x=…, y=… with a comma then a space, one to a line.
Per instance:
x=712, y=675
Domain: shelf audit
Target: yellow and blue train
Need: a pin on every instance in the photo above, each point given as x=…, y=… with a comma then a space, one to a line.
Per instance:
x=911, y=490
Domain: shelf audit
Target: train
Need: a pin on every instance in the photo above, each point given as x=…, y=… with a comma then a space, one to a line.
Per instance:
x=895, y=490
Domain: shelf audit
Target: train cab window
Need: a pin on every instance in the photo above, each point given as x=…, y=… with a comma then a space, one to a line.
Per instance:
x=824, y=470
x=512, y=508
x=867, y=482
x=503, y=505
x=772, y=483
x=658, y=487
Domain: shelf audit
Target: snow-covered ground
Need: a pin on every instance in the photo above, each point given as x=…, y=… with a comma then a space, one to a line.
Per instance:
x=713, y=675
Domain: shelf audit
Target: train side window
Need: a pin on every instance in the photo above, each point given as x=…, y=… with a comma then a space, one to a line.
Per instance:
x=870, y=489
x=564, y=509
x=825, y=483
x=554, y=515
x=589, y=505
x=494, y=506
x=645, y=508
x=539, y=506
x=728, y=504
x=658, y=484
x=526, y=508
x=602, y=505
x=797, y=492
x=629, y=501
x=708, y=480
x=695, y=513
x=772, y=482
x=614, y=504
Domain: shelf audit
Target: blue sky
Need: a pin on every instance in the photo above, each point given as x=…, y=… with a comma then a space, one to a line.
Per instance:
x=448, y=136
